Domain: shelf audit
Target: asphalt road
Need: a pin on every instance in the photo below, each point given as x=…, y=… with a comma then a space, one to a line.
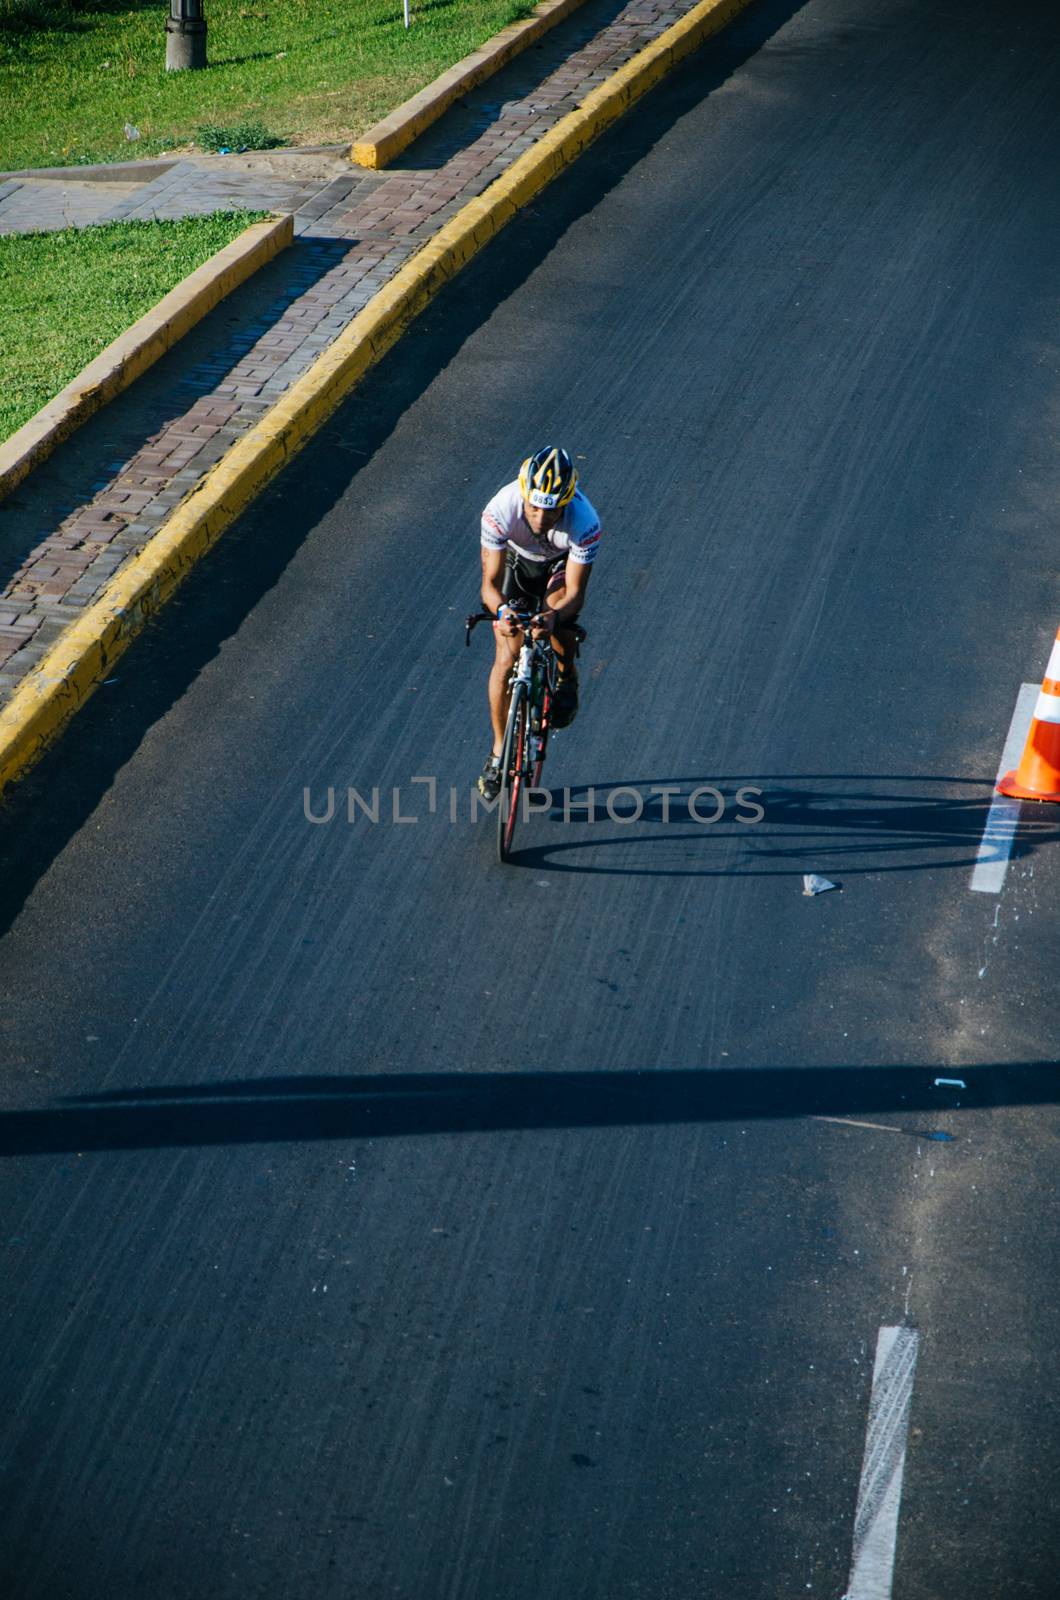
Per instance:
x=380, y=1221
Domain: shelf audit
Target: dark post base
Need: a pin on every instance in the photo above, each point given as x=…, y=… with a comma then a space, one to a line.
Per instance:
x=185, y=44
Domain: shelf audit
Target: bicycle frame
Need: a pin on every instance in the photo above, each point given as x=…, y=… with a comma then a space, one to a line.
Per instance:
x=537, y=668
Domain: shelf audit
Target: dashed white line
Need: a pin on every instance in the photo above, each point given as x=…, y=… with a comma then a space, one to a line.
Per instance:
x=995, y=847
x=880, y=1490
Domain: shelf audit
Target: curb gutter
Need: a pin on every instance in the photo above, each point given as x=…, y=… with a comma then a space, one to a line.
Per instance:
x=140, y=346
x=60, y=683
x=155, y=166
x=99, y=172
x=388, y=137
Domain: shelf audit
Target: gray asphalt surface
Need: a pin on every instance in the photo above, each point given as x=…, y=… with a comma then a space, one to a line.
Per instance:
x=380, y=1221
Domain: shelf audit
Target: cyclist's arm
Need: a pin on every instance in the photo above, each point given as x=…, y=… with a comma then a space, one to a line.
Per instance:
x=567, y=601
x=492, y=574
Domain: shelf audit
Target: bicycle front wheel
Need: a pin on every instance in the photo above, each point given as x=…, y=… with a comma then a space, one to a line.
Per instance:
x=512, y=771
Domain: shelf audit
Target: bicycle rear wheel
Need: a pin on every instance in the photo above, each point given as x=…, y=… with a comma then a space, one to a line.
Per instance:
x=512, y=771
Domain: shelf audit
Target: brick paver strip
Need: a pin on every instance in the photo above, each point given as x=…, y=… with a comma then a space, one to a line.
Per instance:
x=383, y=142
x=351, y=237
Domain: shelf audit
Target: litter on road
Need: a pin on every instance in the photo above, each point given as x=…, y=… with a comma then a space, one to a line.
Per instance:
x=813, y=883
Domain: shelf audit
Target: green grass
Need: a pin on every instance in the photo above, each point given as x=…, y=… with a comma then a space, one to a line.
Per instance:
x=66, y=295
x=310, y=71
x=236, y=136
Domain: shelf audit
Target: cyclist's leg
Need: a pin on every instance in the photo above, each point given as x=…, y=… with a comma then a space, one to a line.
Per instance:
x=507, y=654
x=563, y=640
x=566, y=647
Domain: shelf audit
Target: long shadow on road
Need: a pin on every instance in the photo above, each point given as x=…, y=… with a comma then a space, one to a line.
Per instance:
x=849, y=822
x=297, y=1109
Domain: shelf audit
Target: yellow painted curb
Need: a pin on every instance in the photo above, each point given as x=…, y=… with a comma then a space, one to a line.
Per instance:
x=387, y=138
x=61, y=683
x=140, y=346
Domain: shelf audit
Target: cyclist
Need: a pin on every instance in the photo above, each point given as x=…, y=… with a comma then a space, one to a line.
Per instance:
x=539, y=538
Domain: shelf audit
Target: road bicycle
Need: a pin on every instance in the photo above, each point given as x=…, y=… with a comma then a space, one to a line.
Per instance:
x=532, y=687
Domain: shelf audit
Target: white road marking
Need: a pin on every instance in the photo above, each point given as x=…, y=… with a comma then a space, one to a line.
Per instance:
x=995, y=847
x=880, y=1490
x=849, y=1122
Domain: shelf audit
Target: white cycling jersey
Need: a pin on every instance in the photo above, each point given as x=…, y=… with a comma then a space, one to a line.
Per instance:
x=576, y=534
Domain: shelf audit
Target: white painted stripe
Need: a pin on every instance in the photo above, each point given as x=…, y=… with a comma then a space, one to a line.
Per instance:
x=995, y=847
x=851, y=1122
x=880, y=1490
x=1048, y=707
x=1053, y=669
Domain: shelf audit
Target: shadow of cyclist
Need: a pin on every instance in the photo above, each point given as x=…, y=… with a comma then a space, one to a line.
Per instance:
x=861, y=822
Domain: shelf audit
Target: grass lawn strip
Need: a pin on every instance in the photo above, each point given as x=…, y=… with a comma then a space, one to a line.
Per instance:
x=310, y=71
x=66, y=295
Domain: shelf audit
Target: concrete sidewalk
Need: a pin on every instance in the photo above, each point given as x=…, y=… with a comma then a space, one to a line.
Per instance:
x=69, y=527
x=174, y=186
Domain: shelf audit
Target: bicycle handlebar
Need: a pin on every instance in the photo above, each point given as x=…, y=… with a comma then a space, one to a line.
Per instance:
x=522, y=617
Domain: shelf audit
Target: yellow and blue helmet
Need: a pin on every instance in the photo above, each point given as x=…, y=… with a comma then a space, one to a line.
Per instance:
x=548, y=479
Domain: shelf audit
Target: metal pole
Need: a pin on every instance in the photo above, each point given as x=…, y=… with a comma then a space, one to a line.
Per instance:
x=185, y=36
x=408, y=19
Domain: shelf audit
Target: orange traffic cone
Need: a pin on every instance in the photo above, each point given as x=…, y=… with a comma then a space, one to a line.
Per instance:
x=1038, y=775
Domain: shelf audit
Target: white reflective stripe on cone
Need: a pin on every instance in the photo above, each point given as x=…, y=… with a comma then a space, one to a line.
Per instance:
x=1048, y=708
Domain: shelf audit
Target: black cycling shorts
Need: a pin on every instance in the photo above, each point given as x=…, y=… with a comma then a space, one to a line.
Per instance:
x=525, y=583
